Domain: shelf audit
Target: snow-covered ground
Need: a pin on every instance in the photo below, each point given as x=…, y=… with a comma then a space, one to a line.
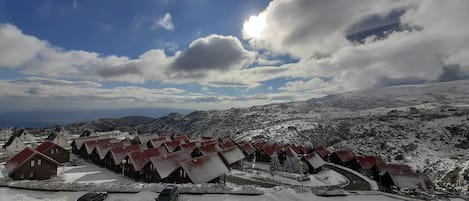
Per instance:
x=278, y=195
x=324, y=178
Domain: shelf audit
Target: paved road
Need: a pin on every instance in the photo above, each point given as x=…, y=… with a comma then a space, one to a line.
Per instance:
x=356, y=183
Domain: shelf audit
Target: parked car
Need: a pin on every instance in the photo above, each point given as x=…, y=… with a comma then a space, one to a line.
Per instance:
x=93, y=196
x=169, y=193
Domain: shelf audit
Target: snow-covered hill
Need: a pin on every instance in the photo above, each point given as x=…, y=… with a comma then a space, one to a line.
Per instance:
x=426, y=126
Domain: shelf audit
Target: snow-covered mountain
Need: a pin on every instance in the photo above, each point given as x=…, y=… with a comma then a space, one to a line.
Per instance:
x=426, y=126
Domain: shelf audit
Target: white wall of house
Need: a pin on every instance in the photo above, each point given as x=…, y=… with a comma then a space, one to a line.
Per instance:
x=16, y=146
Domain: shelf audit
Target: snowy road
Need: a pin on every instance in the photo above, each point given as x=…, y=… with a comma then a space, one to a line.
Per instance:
x=278, y=195
x=356, y=183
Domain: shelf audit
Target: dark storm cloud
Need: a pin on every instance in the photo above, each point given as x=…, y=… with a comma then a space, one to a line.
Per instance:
x=388, y=81
x=214, y=52
x=122, y=70
x=452, y=72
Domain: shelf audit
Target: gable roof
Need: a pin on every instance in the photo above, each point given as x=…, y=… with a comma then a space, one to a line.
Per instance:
x=344, y=156
x=189, y=147
x=102, y=149
x=19, y=159
x=259, y=145
x=204, y=169
x=247, y=148
x=383, y=168
x=314, y=160
x=172, y=145
x=19, y=132
x=119, y=153
x=90, y=145
x=46, y=146
x=367, y=162
x=232, y=155
x=269, y=150
x=138, y=159
x=11, y=140
x=79, y=141
x=322, y=151
x=412, y=180
x=51, y=136
x=143, y=139
x=168, y=163
x=183, y=138
x=209, y=149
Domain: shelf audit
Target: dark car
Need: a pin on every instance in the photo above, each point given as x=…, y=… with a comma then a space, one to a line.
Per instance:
x=94, y=196
x=169, y=193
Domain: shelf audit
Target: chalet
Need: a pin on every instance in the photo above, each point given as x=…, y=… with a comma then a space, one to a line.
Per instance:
x=157, y=142
x=100, y=151
x=267, y=154
x=365, y=164
x=343, y=158
x=172, y=146
x=226, y=144
x=166, y=168
x=30, y=164
x=78, y=143
x=405, y=180
x=58, y=139
x=23, y=135
x=231, y=156
x=323, y=152
x=378, y=170
x=292, y=161
x=248, y=150
x=144, y=139
x=13, y=145
x=206, y=149
x=138, y=159
x=115, y=156
x=54, y=151
x=88, y=146
x=188, y=147
x=314, y=162
x=204, y=169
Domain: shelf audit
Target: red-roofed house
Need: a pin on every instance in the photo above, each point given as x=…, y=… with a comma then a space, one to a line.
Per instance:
x=266, y=155
x=323, y=152
x=248, y=150
x=405, y=180
x=231, y=156
x=54, y=151
x=157, y=142
x=88, y=146
x=182, y=138
x=166, y=168
x=344, y=158
x=114, y=156
x=206, y=149
x=137, y=159
x=314, y=162
x=100, y=151
x=77, y=143
x=365, y=164
x=172, y=146
x=30, y=164
x=204, y=169
x=189, y=147
x=380, y=169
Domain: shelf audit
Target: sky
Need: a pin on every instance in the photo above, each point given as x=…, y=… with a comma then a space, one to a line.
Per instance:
x=210, y=54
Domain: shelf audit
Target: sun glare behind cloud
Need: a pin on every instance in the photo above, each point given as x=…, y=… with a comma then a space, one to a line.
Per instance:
x=254, y=26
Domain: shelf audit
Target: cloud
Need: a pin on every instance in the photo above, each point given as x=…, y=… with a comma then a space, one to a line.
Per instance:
x=165, y=22
x=212, y=53
x=300, y=85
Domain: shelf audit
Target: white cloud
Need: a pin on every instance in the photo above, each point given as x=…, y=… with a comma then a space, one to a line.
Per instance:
x=300, y=85
x=165, y=22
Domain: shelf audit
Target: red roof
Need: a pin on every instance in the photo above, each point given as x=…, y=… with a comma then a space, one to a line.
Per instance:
x=383, y=168
x=90, y=145
x=259, y=145
x=102, y=149
x=139, y=158
x=17, y=160
x=269, y=150
x=182, y=138
x=248, y=148
x=209, y=149
x=189, y=147
x=345, y=156
x=314, y=160
x=367, y=162
x=119, y=153
x=158, y=141
x=232, y=155
x=171, y=146
x=204, y=169
x=323, y=151
x=45, y=146
x=168, y=163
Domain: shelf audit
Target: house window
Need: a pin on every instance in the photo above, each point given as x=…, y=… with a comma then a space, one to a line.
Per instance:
x=38, y=161
x=52, y=151
x=22, y=176
x=32, y=163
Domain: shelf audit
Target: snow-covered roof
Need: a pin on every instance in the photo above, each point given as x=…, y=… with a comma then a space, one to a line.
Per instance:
x=183, y=138
x=204, y=169
x=119, y=153
x=143, y=139
x=209, y=149
x=314, y=160
x=168, y=163
x=102, y=149
x=383, y=168
x=412, y=180
x=138, y=159
x=189, y=147
x=90, y=145
x=157, y=142
x=232, y=155
x=172, y=145
x=46, y=146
